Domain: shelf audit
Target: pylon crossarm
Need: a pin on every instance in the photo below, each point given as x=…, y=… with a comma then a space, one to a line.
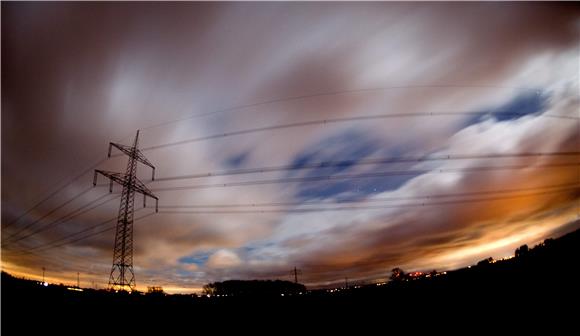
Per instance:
x=156, y=202
x=123, y=148
x=116, y=177
x=142, y=189
x=141, y=158
x=128, y=150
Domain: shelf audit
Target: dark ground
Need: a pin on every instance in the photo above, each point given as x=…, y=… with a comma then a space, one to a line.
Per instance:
x=540, y=287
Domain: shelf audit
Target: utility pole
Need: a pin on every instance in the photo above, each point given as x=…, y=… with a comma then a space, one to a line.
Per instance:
x=122, y=276
x=296, y=272
x=78, y=280
x=346, y=282
x=43, y=275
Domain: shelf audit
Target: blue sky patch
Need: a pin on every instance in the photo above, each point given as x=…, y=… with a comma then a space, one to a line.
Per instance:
x=354, y=189
x=236, y=161
x=522, y=105
x=348, y=148
x=197, y=258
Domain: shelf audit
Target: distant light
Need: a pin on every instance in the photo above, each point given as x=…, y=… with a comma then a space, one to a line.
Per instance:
x=75, y=289
x=45, y=284
x=282, y=294
x=208, y=295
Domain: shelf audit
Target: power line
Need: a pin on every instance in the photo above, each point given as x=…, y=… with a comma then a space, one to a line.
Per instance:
x=70, y=216
x=53, y=193
x=64, y=241
x=373, y=200
x=364, y=175
x=559, y=188
x=108, y=229
x=71, y=235
x=271, y=128
x=341, y=120
x=58, y=260
x=93, y=234
x=51, y=212
x=22, y=251
x=272, y=101
x=79, y=211
x=334, y=93
x=283, y=126
x=371, y=161
x=43, y=258
x=316, y=178
x=349, y=208
x=296, y=210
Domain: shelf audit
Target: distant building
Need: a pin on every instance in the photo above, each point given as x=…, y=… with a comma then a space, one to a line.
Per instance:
x=415, y=275
x=154, y=290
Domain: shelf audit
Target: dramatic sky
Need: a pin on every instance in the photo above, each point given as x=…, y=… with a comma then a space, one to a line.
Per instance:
x=424, y=136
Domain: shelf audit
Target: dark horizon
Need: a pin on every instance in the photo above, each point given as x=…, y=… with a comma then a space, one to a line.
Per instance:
x=521, y=253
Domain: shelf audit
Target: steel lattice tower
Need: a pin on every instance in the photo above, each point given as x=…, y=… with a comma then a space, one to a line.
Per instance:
x=122, y=276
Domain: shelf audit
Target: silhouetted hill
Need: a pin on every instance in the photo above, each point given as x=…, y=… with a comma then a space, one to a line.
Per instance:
x=540, y=280
x=240, y=288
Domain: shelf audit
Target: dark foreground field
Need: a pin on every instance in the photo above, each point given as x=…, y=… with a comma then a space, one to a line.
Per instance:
x=543, y=282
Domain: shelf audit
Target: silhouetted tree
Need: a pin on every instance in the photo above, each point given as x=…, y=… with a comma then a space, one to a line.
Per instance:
x=486, y=261
x=522, y=251
x=398, y=274
x=210, y=289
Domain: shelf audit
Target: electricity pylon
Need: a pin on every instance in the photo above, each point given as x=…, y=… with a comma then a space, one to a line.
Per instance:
x=122, y=276
x=296, y=272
